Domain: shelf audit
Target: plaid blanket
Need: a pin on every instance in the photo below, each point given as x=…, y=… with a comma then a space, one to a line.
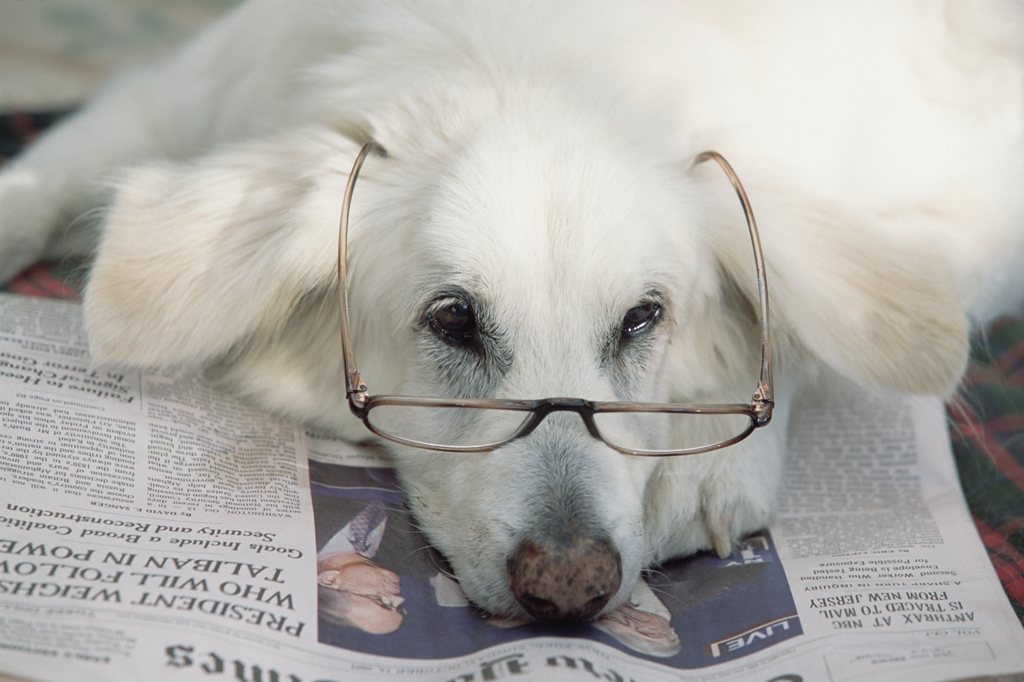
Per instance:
x=987, y=429
x=986, y=419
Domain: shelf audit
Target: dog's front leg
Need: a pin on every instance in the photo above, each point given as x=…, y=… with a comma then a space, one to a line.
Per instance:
x=738, y=495
x=712, y=500
x=174, y=109
x=59, y=178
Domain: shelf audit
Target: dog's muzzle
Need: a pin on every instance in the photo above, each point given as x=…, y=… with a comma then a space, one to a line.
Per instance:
x=571, y=579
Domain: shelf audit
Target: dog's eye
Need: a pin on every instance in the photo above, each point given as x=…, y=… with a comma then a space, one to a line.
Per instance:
x=640, y=317
x=455, y=320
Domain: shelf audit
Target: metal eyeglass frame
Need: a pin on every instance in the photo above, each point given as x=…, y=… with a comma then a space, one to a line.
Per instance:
x=759, y=411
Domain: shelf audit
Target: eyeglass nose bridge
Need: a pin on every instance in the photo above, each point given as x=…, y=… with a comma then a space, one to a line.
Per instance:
x=584, y=408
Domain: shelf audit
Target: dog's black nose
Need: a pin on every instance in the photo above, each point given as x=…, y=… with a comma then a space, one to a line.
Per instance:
x=569, y=580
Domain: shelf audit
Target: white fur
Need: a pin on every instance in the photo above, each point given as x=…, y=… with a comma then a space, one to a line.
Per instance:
x=539, y=157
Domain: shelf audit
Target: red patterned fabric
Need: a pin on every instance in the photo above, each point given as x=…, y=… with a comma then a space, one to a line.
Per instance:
x=42, y=282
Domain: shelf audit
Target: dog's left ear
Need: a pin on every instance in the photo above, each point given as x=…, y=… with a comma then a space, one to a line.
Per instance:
x=873, y=304
x=196, y=257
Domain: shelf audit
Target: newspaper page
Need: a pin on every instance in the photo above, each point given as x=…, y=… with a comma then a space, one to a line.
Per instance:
x=154, y=529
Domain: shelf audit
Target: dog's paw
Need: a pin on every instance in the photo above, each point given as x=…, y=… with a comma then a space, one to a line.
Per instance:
x=720, y=529
x=712, y=502
x=26, y=220
x=738, y=497
x=731, y=521
x=37, y=206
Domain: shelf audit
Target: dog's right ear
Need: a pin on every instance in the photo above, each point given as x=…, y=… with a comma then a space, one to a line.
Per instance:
x=873, y=304
x=196, y=257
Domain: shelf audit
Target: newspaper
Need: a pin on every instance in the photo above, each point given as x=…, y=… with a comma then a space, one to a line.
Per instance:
x=152, y=529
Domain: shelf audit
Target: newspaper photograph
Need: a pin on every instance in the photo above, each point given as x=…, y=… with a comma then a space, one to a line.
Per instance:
x=153, y=528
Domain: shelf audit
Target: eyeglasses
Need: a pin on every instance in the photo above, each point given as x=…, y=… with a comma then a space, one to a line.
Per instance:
x=641, y=429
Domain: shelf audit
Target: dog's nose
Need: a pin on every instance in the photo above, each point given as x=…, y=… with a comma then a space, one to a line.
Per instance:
x=568, y=580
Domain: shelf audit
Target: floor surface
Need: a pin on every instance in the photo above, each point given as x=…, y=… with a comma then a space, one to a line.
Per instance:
x=55, y=53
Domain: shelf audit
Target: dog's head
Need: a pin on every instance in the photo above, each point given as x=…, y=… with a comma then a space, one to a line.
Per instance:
x=523, y=278
x=537, y=257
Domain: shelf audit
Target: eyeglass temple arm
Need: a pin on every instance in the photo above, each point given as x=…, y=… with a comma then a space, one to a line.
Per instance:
x=764, y=397
x=355, y=388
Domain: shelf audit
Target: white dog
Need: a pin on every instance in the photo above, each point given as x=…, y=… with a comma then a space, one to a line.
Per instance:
x=538, y=229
